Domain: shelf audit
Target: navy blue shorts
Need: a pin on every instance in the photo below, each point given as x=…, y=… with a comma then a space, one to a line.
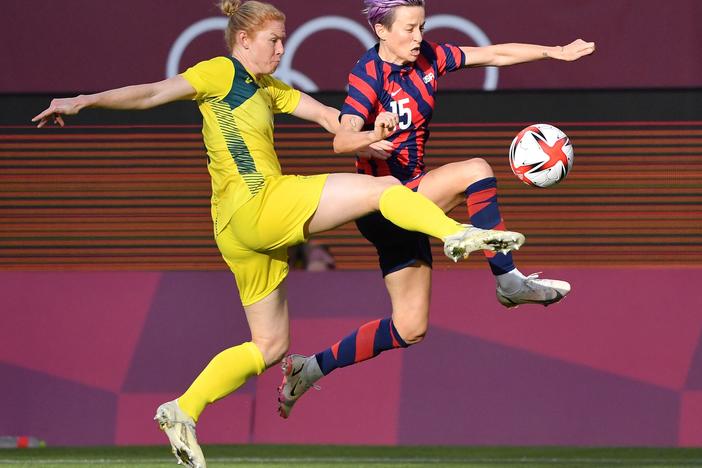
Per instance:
x=397, y=248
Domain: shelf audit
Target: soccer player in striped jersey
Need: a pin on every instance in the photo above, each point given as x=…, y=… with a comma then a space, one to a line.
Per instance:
x=400, y=75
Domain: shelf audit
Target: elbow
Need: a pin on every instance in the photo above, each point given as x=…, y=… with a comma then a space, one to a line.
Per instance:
x=496, y=61
x=333, y=117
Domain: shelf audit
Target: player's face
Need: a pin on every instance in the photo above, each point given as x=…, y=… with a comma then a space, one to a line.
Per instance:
x=403, y=38
x=266, y=47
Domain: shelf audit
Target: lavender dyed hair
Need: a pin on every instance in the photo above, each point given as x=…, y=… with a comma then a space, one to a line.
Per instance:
x=382, y=11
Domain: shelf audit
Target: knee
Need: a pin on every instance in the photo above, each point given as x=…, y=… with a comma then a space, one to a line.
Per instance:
x=415, y=335
x=476, y=169
x=414, y=338
x=385, y=182
x=412, y=331
x=380, y=185
x=273, y=349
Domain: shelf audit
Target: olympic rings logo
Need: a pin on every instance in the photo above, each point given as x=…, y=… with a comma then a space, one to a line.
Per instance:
x=296, y=78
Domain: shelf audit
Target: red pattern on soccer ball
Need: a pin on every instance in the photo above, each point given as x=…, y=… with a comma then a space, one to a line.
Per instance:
x=555, y=153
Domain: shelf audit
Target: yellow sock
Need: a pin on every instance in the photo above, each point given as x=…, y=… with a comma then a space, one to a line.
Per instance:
x=415, y=212
x=227, y=371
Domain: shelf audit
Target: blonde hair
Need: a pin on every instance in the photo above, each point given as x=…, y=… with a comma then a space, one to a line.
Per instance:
x=248, y=16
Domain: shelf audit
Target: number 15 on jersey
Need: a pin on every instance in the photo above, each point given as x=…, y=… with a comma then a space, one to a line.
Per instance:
x=405, y=113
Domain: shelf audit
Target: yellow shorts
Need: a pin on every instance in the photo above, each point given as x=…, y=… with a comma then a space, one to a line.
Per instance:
x=255, y=242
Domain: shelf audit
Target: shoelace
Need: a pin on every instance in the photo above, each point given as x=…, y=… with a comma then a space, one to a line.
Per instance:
x=534, y=275
x=530, y=278
x=168, y=422
x=526, y=284
x=305, y=384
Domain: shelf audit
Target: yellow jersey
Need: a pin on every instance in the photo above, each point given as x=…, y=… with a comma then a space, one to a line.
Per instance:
x=237, y=110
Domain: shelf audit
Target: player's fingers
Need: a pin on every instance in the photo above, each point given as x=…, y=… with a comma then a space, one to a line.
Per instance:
x=59, y=120
x=377, y=154
x=388, y=117
x=41, y=115
x=383, y=145
x=583, y=48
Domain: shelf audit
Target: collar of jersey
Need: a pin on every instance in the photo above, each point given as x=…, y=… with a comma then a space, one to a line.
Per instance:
x=253, y=77
x=403, y=69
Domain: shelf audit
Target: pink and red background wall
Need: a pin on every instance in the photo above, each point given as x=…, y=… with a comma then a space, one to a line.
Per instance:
x=85, y=358
x=64, y=46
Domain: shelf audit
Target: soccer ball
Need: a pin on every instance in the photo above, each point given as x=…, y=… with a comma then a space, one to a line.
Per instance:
x=541, y=155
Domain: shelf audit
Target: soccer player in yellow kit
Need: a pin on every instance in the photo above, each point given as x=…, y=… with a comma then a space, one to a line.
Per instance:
x=258, y=212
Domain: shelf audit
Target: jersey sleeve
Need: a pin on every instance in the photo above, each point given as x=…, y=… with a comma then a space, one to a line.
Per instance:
x=363, y=91
x=448, y=57
x=211, y=78
x=285, y=97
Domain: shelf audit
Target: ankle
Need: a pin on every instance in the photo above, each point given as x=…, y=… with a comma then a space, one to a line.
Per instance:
x=511, y=281
x=311, y=369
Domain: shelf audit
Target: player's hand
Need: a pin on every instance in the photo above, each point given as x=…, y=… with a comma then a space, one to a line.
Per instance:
x=57, y=109
x=576, y=49
x=385, y=125
x=378, y=150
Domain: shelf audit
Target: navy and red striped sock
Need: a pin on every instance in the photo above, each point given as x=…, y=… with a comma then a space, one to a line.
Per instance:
x=365, y=343
x=484, y=213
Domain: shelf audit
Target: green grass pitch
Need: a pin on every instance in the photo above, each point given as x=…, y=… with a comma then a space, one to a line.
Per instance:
x=355, y=457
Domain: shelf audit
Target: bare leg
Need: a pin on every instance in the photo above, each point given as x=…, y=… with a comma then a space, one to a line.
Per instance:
x=446, y=185
x=410, y=292
x=270, y=326
x=347, y=197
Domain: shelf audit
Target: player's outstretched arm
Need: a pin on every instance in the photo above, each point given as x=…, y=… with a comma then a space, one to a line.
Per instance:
x=500, y=55
x=143, y=96
x=328, y=118
x=314, y=111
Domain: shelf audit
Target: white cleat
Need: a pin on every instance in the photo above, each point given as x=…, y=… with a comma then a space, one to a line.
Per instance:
x=295, y=383
x=180, y=429
x=471, y=238
x=535, y=290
